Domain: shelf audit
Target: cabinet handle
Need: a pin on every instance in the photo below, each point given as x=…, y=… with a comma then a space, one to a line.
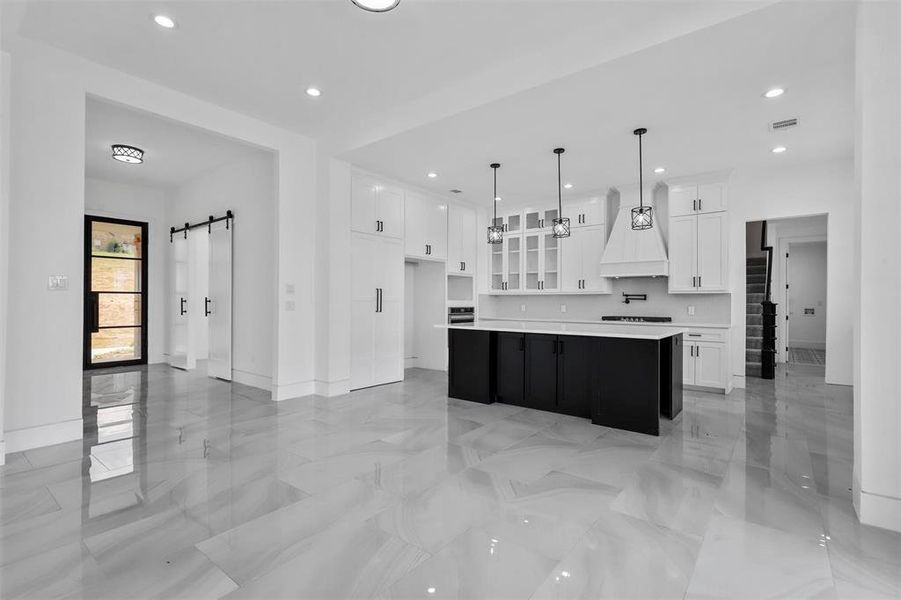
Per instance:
x=697, y=351
x=699, y=204
x=376, y=299
x=522, y=343
x=692, y=349
x=555, y=347
x=694, y=335
x=699, y=281
x=561, y=346
x=694, y=281
x=694, y=205
x=182, y=306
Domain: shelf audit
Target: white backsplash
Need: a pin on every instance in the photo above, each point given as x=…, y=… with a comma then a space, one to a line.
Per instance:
x=708, y=308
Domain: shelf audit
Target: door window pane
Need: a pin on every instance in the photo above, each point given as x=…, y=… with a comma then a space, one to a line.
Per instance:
x=115, y=239
x=110, y=345
x=119, y=310
x=112, y=275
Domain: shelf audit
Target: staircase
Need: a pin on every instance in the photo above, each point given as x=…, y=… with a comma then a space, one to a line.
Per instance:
x=755, y=294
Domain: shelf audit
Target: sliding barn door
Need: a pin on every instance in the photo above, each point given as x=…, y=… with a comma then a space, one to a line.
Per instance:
x=218, y=304
x=181, y=351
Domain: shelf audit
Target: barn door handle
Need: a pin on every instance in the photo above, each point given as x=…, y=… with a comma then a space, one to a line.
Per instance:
x=181, y=306
x=95, y=312
x=206, y=307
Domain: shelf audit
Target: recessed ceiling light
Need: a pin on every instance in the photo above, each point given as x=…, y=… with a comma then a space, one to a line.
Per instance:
x=659, y=170
x=127, y=154
x=779, y=149
x=774, y=93
x=431, y=174
x=568, y=186
x=498, y=198
x=164, y=21
x=314, y=92
x=376, y=5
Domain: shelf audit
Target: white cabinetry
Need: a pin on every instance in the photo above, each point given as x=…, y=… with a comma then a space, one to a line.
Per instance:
x=506, y=265
x=582, y=253
x=425, y=225
x=376, y=207
x=462, y=229
x=689, y=199
x=706, y=358
x=535, y=220
x=377, y=315
x=698, y=242
x=542, y=262
x=587, y=212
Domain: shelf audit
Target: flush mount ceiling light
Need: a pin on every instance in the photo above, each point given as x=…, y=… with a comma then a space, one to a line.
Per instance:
x=127, y=154
x=659, y=170
x=377, y=5
x=495, y=230
x=561, y=223
x=774, y=93
x=642, y=217
x=779, y=149
x=314, y=92
x=164, y=21
x=431, y=174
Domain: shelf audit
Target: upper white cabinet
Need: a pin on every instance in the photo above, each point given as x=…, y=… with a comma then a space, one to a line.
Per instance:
x=512, y=223
x=462, y=230
x=376, y=207
x=699, y=253
x=582, y=253
x=587, y=212
x=505, y=265
x=542, y=262
x=690, y=199
x=535, y=220
x=425, y=223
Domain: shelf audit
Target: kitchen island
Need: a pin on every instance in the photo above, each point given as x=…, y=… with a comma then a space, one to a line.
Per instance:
x=616, y=375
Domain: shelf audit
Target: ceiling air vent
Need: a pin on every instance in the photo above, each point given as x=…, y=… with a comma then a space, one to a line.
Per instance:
x=455, y=191
x=784, y=124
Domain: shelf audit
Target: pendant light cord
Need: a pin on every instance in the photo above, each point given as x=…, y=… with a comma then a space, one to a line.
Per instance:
x=494, y=223
x=559, y=188
x=640, y=176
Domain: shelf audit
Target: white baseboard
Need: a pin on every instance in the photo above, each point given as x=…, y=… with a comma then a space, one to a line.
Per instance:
x=879, y=511
x=252, y=379
x=332, y=388
x=293, y=390
x=44, y=435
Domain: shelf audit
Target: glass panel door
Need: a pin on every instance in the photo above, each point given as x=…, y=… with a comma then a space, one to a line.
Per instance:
x=514, y=259
x=115, y=292
x=551, y=268
x=533, y=273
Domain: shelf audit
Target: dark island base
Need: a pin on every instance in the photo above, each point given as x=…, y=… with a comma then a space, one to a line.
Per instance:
x=621, y=383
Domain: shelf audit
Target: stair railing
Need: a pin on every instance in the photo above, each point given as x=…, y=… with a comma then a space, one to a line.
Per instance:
x=768, y=350
x=769, y=263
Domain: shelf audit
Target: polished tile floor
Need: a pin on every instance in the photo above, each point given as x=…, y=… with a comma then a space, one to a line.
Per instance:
x=188, y=487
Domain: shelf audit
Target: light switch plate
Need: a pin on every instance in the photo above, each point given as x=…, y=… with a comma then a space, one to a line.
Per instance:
x=58, y=282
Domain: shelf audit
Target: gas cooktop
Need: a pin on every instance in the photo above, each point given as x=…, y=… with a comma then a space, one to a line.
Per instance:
x=637, y=319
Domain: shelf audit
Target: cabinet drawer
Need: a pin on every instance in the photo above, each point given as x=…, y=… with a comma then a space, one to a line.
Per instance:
x=706, y=335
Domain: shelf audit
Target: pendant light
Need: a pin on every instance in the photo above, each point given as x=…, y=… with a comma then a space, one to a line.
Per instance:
x=561, y=223
x=641, y=214
x=495, y=231
x=127, y=154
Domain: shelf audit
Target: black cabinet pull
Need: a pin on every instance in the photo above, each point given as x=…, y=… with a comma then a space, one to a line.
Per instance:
x=699, y=281
x=555, y=347
x=522, y=343
x=182, y=306
x=561, y=346
x=206, y=307
x=699, y=204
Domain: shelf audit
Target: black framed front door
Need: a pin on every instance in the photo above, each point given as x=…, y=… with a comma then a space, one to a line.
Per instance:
x=115, y=292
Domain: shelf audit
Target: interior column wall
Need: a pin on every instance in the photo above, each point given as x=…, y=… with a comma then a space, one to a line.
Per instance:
x=4, y=232
x=877, y=390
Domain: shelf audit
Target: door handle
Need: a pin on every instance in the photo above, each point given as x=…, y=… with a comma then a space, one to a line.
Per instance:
x=95, y=312
x=182, y=306
x=206, y=307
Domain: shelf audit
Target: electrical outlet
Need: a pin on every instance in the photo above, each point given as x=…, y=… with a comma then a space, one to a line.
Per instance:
x=57, y=282
x=563, y=308
x=691, y=311
x=522, y=308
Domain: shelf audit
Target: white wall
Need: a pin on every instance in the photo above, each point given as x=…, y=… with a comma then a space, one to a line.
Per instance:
x=807, y=290
x=4, y=231
x=148, y=204
x=247, y=188
x=825, y=188
x=48, y=92
x=877, y=385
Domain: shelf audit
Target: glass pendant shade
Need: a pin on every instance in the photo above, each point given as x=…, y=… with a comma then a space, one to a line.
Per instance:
x=496, y=234
x=561, y=227
x=127, y=154
x=642, y=217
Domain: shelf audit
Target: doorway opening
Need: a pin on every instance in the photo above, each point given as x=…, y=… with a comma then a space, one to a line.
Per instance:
x=805, y=295
x=115, y=292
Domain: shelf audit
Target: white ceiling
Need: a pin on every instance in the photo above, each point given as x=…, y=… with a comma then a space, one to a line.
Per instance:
x=379, y=73
x=174, y=153
x=699, y=96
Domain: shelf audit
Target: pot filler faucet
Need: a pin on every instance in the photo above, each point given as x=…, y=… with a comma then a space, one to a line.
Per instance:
x=627, y=298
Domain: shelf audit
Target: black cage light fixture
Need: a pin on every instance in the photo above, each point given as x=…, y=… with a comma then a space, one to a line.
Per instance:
x=495, y=231
x=642, y=217
x=127, y=154
x=561, y=223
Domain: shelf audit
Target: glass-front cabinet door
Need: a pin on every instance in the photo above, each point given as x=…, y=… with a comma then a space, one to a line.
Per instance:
x=550, y=265
x=533, y=262
x=513, y=245
x=536, y=220
x=497, y=264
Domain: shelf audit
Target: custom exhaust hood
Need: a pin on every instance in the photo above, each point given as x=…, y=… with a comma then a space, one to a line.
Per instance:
x=633, y=252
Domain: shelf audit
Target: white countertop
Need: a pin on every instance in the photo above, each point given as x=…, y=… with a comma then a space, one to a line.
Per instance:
x=614, y=330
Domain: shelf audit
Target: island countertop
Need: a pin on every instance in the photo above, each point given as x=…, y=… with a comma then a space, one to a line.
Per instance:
x=580, y=329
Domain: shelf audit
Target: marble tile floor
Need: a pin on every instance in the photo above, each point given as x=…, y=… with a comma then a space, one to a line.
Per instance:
x=189, y=487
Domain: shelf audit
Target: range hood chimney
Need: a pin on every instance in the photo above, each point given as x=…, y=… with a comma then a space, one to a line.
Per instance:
x=633, y=252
